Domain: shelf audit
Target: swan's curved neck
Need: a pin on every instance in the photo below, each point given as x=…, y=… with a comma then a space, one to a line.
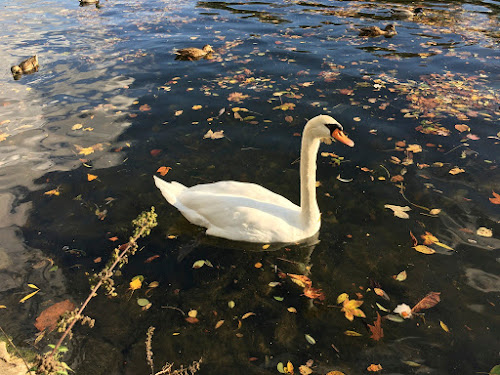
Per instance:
x=308, y=155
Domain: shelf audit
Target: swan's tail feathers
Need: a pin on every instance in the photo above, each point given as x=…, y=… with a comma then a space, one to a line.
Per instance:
x=170, y=190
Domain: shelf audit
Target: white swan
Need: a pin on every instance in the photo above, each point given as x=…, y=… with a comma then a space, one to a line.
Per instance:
x=248, y=212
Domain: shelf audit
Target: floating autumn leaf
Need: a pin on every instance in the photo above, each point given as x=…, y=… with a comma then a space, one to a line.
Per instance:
x=414, y=239
x=76, y=127
x=258, y=265
x=53, y=192
x=310, y=339
x=484, y=232
x=237, y=97
x=163, y=170
x=352, y=333
x=219, y=324
x=196, y=107
x=376, y=329
x=314, y=293
x=435, y=211
x=193, y=313
x=144, y=108
x=351, y=309
x=342, y=297
x=304, y=370
x=113, y=239
x=265, y=247
x=48, y=318
x=430, y=239
x=404, y=310
x=136, y=283
x=89, y=150
x=192, y=320
x=248, y=314
x=444, y=326
x=456, y=170
x=381, y=293
x=414, y=148
x=91, y=177
x=155, y=152
x=495, y=199
x=335, y=373
x=399, y=211
x=179, y=112
x=27, y=297
x=424, y=249
x=214, y=135
x=286, y=107
x=288, y=118
x=301, y=280
x=462, y=128
x=400, y=276
x=430, y=300
x=374, y=368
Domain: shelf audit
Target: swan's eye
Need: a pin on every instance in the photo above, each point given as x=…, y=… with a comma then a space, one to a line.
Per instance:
x=333, y=127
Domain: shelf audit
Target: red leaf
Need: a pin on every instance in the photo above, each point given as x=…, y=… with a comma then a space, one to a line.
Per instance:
x=430, y=300
x=48, y=318
x=155, y=152
x=314, y=293
x=192, y=320
x=376, y=328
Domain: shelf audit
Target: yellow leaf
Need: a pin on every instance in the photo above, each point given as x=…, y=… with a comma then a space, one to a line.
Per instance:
x=352, y=333
x=435, y=211
x=292, y=310
x=289, y=367
x=52, y=192
x=456, y=170
x=3, y=307
x=76, y=127
x=265, y=246
x=424, y=249
x=192, y=313
x=443, y=245
x=91, y=177
x=153, y=284
x=401, y=276
x=25, y=298
x=304, y=370
x=444, y=326
x=135, y=284
x=33, y=286
x=219, y=323
x=342, y=298
x=197, y=107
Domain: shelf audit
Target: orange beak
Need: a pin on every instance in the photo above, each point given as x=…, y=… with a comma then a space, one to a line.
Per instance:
x=341, y=137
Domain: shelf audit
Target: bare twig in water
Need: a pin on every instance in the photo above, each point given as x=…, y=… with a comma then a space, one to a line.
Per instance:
x=143, y=225
x=174, y=308
x=401, y=190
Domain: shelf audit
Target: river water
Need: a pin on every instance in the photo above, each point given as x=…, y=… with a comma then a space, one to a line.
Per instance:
x=110, y=104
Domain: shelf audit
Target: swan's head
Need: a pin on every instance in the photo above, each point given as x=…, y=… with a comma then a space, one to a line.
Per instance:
x=325, y=128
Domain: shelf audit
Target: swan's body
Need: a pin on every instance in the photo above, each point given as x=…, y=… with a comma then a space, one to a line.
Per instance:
x=248, y=212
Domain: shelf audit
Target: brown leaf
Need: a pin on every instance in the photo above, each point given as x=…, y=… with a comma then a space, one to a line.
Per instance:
x=301, y=280
x=144, y=108
x=151, y=258
x=414, y=239
x=376, y=328
x=374, y=367
x=314, y=293
x=48, y=318
x=155, y=152
x=430, y=300
x=192, y=320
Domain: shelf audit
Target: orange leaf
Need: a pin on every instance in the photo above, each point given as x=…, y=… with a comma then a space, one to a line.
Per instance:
x=314, y=293
x=91, y=177
x=374, y=368
x=429, y=238
x=414, y=239
x=113, y=239
x=163, y=170
x=430, y=300
x=301, y=280
x=376, y=328
x=192, y=320
x=144, y=108
x=48, y=318
x=52, y=192
x=495, y=200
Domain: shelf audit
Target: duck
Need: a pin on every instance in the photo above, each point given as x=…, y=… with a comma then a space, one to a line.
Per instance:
x=28, y=66
x=247, y=212
x=194, y=53
x=406, y=13
x=88, y=2
x=374, y=31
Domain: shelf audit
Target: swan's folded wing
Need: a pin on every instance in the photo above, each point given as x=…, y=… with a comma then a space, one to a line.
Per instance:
x=245, y=190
